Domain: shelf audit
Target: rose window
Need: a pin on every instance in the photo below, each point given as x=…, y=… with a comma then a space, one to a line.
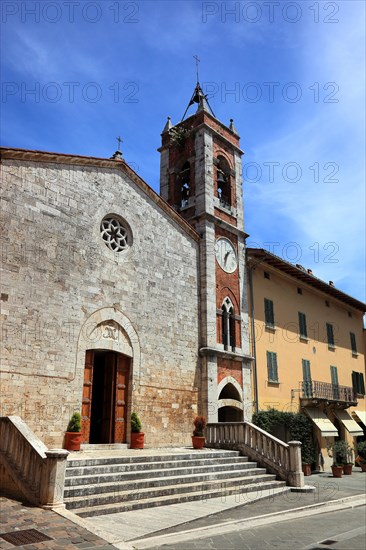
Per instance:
x=114, y=234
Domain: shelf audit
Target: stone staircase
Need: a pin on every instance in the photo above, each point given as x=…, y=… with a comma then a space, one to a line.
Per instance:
x=97, y=486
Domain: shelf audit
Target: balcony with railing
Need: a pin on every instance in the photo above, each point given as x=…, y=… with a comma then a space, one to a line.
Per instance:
x=324, y=391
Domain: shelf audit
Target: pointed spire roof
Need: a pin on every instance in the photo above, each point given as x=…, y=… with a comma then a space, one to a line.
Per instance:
x=201, y=99
x=232, y=127
x=168, y=125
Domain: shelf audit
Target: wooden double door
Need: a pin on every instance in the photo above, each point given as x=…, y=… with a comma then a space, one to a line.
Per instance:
x=105, y=397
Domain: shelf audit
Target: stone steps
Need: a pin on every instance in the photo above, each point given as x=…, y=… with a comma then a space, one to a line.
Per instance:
x=118, y=475
x=176, y=499
x=143, y=483
x=104, y=486
x=137, y=458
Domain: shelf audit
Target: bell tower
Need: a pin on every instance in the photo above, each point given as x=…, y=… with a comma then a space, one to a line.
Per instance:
x=201, y=177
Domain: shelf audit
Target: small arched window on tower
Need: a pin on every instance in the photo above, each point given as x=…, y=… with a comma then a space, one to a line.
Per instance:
x=184, y=184
x=223, y=191
x=228, y=325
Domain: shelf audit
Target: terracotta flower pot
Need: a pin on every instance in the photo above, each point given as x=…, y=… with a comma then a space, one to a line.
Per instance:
x=73, y=441
x=363, y=467
x=347, y=469
x=337, y=471
x=137, y=440
x=198, y=441
x=306, y=468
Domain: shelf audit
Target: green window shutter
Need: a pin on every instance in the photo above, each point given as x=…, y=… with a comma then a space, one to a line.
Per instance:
x=353, y=342
x=306, y=374
x=272, y=366
x=362, y=384
x=334, y=378
x=302, y=325
x=307, y=385
x=358, y=383
x=268, y=312
x=355, y=381
x=275, y=369
x=334, y=375
x=330, y=334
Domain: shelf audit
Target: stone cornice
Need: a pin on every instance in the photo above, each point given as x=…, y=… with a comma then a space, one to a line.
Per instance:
x=218, y=221
x=235, y=356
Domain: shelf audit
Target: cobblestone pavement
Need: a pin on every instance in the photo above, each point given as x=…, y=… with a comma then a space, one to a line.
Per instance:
x=65, y=535
x=346, y=528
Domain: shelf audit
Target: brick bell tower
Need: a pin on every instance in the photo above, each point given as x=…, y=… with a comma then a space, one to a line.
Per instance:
x=201, y=177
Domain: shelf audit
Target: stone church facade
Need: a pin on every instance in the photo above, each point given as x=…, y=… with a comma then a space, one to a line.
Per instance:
x=116, y=299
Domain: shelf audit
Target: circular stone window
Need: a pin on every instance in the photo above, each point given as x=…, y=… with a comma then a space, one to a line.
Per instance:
x=115, y=233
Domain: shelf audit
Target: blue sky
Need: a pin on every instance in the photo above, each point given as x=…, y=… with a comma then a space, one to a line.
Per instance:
x=291, y=74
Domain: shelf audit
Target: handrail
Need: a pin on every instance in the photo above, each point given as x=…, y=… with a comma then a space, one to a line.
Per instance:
x=282, y=458
x=314, y=389
x=37, y=472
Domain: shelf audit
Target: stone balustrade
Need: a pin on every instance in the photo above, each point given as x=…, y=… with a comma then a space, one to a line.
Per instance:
x=281, y=458
x=37, y=473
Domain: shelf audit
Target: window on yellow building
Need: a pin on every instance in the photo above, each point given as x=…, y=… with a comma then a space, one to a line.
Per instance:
x=334, y=378
x=358, y=383
x=272, y=366
x=302, y=325
x=330, y=335
x=307, y=385
x=269, y=313
x=353, y=343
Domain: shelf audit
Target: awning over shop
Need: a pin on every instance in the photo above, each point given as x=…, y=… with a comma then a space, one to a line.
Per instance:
x=361, y=415
x=322, y=422
x=351, y=425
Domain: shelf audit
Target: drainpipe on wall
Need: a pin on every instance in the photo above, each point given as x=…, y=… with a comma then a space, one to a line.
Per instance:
x=254, y=352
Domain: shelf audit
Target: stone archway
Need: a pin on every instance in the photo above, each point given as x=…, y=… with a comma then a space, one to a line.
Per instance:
x=230, y=401
x=108, y=359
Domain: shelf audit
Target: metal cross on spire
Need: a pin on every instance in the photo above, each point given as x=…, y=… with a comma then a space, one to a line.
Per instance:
x=198, y=96
x=197, y=61
x=120, y=140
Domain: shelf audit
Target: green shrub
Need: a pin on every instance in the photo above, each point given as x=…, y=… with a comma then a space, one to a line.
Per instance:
x=341, y=453
x=75, y=423
x=135, y=423
x=361, y=449
x=299, y=426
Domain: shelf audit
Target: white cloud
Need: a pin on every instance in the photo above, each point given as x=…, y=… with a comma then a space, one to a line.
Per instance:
x=326, y=212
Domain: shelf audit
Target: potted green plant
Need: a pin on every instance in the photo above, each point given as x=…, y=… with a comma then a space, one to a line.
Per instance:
x=307, y=457
x=348, y=457
x=73, y=433
x=338, y=451
x=137, y=436
x=198, y=437
x=361, y=458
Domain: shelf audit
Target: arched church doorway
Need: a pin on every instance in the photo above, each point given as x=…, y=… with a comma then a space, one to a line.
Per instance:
x=230, y=405
x=105, y=397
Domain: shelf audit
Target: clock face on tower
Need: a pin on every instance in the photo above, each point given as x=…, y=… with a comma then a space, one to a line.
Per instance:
x=226, y=255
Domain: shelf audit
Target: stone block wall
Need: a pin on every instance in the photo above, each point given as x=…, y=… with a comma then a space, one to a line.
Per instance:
x=57, y=272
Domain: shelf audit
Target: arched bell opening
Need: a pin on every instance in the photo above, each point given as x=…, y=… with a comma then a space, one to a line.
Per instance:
x=184, y=185
x=223, y=187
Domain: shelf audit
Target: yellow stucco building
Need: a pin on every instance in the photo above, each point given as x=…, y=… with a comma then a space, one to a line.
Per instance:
x=308, y=344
